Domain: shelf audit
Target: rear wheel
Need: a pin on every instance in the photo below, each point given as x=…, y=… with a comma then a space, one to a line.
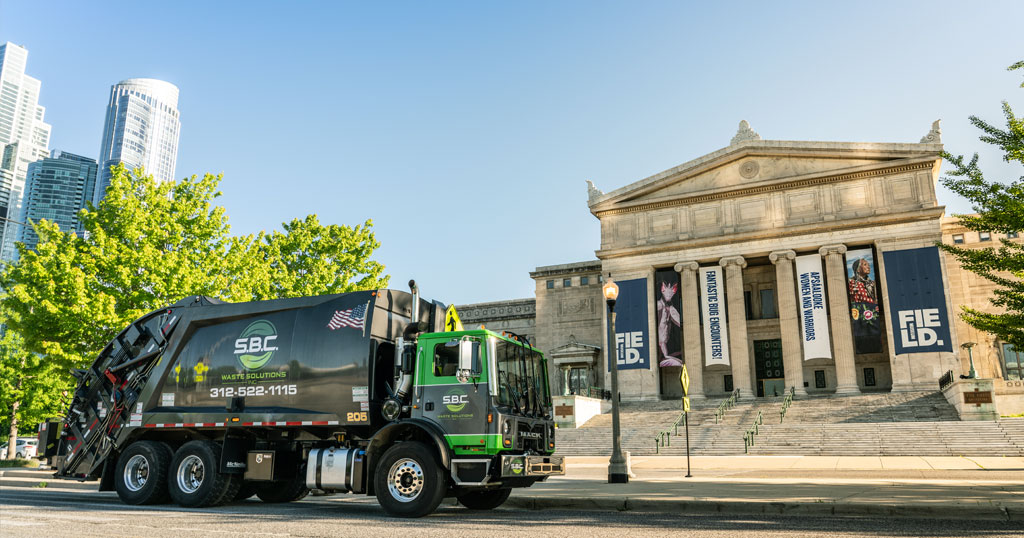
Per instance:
x=484, y=500
x=409, y=481
x=284, y=491
x=140, y=476
x=196, y=479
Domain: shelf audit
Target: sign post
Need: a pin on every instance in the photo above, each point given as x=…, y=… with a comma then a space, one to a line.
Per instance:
x=684, y=379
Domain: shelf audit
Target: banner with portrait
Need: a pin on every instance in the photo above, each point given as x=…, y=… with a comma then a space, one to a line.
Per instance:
x=813, y=312
x=631, y=325
x=917, y=300
x=667, y=305
x=862, y=290
x=712, y=311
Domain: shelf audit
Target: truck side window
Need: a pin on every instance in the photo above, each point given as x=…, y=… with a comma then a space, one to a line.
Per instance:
x=446, y=360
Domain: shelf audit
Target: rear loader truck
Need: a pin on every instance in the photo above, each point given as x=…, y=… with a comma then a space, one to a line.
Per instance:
x=204, y=403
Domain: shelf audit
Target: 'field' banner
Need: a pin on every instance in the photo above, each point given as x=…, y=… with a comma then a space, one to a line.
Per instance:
x=712, y=311
x=810, y=285
x=631, y=325
x=917, y=301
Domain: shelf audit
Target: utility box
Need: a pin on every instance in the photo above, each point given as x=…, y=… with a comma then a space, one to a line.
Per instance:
x=260, y=465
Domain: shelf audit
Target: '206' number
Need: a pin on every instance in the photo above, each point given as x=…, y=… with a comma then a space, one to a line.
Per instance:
x=357, y=417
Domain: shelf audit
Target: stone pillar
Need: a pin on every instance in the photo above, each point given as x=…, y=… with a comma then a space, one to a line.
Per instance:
x=739, y=356
x=792, y=350
x=839, y=316
x=692, y=351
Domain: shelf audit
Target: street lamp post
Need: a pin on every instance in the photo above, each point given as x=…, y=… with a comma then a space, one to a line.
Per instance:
x=972, y=374
x=617, y=471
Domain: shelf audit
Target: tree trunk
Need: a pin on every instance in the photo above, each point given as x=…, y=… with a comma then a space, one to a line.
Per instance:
x=12, y=441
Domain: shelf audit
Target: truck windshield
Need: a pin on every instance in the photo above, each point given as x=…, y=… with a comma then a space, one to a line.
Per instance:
x=522, y=379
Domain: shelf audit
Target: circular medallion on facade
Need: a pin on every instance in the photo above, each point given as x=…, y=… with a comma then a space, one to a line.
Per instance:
x=749, y=169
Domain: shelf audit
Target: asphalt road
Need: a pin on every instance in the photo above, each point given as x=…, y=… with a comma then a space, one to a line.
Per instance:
x=56, y=512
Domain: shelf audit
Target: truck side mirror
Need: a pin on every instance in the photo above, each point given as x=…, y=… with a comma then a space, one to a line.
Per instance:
x=469, y=360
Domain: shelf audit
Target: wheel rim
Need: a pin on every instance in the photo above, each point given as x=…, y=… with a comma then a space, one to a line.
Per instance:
x=136, y=472
x=190, y=474
x=405, y=480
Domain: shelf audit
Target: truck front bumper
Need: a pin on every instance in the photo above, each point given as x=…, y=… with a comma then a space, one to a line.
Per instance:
x=516, y=466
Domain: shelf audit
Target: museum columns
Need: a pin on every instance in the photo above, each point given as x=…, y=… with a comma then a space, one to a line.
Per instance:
x=740, y=356
x=792, y=350
x=692, y=351
x=842, y=334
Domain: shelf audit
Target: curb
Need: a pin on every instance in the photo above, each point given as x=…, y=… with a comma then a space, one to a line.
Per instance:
x=695, y=507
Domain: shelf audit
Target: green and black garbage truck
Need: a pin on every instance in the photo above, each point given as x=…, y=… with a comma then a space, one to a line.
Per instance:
x=204, y=403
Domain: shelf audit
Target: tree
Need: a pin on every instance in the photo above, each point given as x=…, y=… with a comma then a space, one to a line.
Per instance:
x=149, y=244
x=999, y=208
x=30, y=389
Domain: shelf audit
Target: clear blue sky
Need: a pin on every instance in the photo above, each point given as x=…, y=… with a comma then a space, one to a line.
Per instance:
x=465, y=130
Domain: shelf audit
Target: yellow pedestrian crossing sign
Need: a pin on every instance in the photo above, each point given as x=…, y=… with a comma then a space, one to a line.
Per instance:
x=451, y=320
x=684, y=378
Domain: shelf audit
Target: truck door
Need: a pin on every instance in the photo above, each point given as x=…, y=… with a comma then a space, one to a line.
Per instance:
x=459, y=408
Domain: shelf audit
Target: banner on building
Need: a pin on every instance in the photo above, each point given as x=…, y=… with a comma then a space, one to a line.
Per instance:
x=712, y=299
x=667, y=306
x=862, y=291
x=917, y=300
x=631, y=325
x=813, y=313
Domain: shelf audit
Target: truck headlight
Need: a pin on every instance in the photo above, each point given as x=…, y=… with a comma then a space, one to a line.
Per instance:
x=506, y=427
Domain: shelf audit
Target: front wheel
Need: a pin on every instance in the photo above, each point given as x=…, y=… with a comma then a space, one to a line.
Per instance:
x=409, y=482
x=484, y=500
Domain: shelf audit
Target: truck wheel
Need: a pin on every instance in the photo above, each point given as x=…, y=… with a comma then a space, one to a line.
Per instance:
x=284, y=491
x=484, y=500
x=247, y=489
x=140, y=476
x=195, y=479
x=409, y=481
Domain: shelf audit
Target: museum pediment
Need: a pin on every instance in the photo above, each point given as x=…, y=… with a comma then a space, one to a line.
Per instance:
x=754, y=164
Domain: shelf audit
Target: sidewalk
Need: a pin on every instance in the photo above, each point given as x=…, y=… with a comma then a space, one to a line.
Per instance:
x=932, y=487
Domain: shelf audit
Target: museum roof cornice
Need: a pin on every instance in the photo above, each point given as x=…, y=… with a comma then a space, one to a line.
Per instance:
x=621, y=205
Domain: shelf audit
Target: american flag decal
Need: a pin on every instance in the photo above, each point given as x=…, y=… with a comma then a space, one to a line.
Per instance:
x=354, y=318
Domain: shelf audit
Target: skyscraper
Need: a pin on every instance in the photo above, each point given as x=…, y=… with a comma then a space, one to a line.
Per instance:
x=56, y=189
x=141, y=129
x=24, y=137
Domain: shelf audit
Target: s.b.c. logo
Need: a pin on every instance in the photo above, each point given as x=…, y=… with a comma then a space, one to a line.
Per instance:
x=256, y=345
x=455, y=400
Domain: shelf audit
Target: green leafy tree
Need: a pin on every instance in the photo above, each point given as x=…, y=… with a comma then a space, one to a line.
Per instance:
x=149, y=244
x=30, y=388
x=999, y=208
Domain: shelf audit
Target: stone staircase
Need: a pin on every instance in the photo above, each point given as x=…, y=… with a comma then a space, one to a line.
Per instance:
x=882, y=424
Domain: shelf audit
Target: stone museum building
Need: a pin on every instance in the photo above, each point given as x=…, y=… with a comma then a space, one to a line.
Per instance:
x=764, y=266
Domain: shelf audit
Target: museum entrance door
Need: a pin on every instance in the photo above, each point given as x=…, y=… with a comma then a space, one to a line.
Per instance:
x=768, y=366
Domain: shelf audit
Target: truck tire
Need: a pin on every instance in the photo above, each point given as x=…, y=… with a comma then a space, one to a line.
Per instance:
x=195, y=479
x=140, y=476
x=284, y=491
x=409, y=482
x=484, y=500
x=246, y=490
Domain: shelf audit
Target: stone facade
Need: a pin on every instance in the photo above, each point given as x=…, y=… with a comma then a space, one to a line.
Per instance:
x=517, y=316
x=751, y=209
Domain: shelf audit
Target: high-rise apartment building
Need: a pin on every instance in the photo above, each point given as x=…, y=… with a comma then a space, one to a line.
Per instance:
x=141, y=130
x=24, y=137
x=56, y=190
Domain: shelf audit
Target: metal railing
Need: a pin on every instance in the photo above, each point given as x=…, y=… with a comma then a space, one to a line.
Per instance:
x=726, y=405
x=748, y=437
x=664, y=438
x=946, y=380
x=786, y=402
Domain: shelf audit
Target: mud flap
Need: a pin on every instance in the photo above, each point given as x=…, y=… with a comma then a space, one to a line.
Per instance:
x=109, y=468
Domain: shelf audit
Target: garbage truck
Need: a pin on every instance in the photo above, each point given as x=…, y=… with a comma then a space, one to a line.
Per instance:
x=206, y=402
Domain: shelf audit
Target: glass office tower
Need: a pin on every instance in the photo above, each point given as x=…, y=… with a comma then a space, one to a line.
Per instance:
x=57, y=189
x=141, y=130
x=24, y=137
